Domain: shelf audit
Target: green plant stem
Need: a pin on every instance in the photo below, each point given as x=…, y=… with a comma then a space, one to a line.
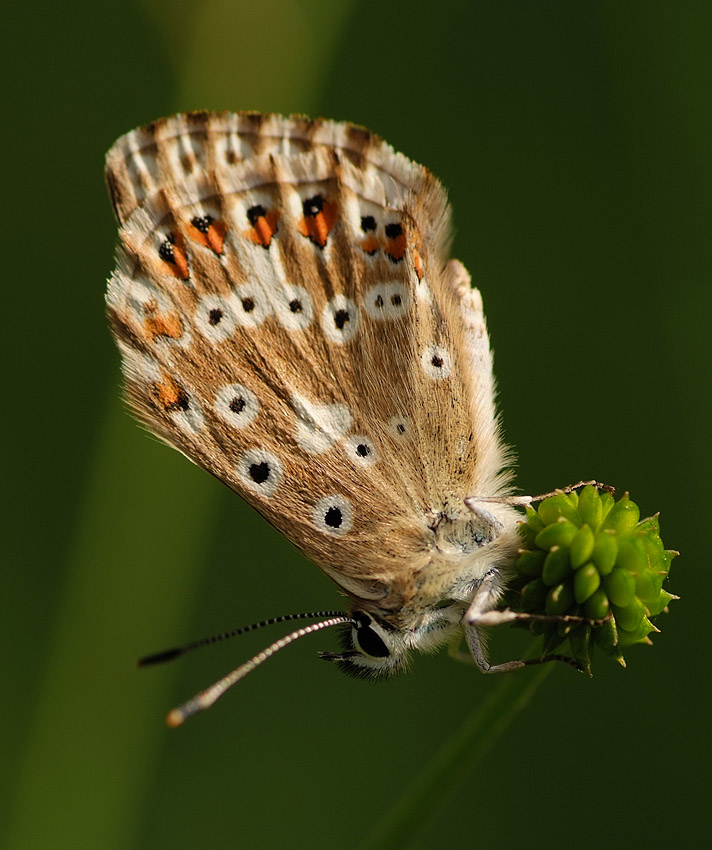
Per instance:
x=427, y=794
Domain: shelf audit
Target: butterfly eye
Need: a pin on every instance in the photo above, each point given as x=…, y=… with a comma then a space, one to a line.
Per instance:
x=367, y=638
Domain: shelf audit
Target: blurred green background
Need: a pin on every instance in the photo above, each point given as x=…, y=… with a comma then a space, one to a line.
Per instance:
x=575, y=140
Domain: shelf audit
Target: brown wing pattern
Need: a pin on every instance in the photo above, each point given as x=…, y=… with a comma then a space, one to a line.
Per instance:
x=288, y=320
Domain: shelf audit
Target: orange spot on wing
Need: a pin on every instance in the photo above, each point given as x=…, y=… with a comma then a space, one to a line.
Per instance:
x=213, y=238
x=418, y=263
x=170, y=395
x=395, y=248
x=264, y=228
x=370, y=245
x=157, y=325
x=172, y=252
x=317, y=227
x=181, y=265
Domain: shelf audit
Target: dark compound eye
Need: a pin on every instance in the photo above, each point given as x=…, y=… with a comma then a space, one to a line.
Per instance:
x=368, y=639
x=368, y=223
x=214, y=316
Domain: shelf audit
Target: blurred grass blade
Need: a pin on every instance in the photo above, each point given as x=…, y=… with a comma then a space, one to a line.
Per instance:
x=430, y=790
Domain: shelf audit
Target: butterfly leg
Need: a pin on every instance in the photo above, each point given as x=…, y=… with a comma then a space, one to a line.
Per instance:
x=481, y=613
x=522, y=501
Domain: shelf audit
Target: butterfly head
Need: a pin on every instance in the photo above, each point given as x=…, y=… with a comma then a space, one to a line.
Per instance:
x=467, y=551
x=374, y=649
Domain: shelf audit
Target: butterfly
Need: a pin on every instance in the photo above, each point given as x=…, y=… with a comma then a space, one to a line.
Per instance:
x=289, y=320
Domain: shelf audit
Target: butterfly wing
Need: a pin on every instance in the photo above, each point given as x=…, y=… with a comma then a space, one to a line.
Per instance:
x=288, y=320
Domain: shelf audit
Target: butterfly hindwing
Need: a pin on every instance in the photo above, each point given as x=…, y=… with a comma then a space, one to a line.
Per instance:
x=289, y=321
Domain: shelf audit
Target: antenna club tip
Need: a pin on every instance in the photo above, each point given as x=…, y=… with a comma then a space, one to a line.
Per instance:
x=175, y=718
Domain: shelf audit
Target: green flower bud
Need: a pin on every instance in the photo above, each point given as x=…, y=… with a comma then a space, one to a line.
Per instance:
x=653, y=547
x=556, y=566
x=632, y=555
x=629, y=618
x=586, y=582
x=637, y=635
x=582, y=547
x=558, y=506
x=530, y=562
x=584, y=555
x=623, y=516
x=559, y=599
x=605, y=552
x=533, y=597
x=580, y=643
x=660, y=604
x=559, y=533
x=590, y=507
x=528, y=530
x=597, y=606
x=648, y=585
x=620, y=587
x=607, y=502
x=606, y=637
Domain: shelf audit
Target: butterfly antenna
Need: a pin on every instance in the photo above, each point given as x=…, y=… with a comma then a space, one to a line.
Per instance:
x=207, y=697
x=176, y=652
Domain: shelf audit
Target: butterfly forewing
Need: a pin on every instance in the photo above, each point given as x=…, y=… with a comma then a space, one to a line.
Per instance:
x=288, y=320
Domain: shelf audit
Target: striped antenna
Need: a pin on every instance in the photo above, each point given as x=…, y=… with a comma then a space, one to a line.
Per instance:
x=207, y=697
